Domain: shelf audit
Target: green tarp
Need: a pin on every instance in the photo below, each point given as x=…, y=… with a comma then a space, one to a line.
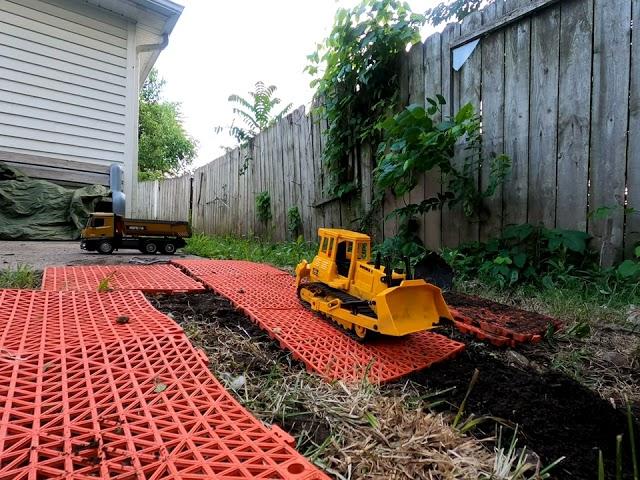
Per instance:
x=41, y=210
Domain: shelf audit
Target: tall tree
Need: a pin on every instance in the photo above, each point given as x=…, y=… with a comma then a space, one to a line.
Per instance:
x=164, y=148
x=255, y=112
x=452, y=10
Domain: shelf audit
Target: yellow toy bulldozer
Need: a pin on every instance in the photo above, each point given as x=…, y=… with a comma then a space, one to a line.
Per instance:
x=344, y=284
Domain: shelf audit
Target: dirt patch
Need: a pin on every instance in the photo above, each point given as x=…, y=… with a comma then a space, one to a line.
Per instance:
x=557, y=416
x=352, y=431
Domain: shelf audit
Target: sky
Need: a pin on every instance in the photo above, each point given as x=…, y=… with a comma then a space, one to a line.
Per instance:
x=222, y=47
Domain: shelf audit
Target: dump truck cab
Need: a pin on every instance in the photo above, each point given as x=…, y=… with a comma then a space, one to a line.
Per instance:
x=106, y=232
x=343, y=283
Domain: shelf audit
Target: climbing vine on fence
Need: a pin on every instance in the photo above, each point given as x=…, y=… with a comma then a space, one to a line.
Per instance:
x=359, y=84
x=414, y=143
x=263, y=207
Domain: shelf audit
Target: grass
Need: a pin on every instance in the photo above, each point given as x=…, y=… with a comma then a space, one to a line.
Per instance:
x=576, y=301
x=22, y=276
x=286, y=254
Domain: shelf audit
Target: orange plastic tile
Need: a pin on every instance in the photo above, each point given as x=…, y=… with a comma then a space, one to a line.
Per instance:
x=135, y=408
x=34, y=321
x=227, y=267
x=492, y=321
x=148, y=278
x=270, y=300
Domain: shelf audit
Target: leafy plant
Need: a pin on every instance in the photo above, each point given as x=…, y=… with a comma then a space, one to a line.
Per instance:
x=164, y=148
x=452, y=10
x=525, y=254
x=359, y=84
x=630, y=269
x=263, y=207
x=414, y=143
x=294, y=222
x=255, y=114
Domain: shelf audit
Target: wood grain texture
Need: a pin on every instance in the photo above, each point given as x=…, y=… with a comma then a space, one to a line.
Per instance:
x=610, y=100
x=576, y=30
x=516, y=123
x=492, y=117
x=543, y=117
x=450, y=230
x=432, y=231
x=632, y=223
x=470, y=93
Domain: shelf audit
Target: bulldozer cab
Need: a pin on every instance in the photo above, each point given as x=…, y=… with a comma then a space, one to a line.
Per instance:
x=341, y=250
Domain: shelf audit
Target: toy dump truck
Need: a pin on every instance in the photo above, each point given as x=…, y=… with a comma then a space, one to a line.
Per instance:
x=363, y=296
x=106, y=232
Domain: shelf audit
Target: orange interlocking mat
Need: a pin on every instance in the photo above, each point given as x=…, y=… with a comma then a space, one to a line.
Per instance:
x=148, y=278
x=497, y=323
x=121, y=402
x=32, y=321
x=268, y=297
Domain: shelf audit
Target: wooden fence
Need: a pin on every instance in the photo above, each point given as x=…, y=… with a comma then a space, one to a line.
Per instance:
x=558, y=86
x=168, y=199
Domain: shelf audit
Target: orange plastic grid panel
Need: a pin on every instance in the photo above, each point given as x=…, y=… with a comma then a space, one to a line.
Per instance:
x=227, y=267
x=148, y=278
x=495, y=321
x=136, y=408
x=35, y=321
x=270, y=301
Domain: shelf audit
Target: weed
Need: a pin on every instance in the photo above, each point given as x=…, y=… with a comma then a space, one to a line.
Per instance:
x=22, y=276
x=294, y=222
x=513, y=463
x=104, y=285
x=263, y=207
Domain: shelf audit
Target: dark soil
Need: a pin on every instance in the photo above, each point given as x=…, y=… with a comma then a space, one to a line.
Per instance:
x=556, y=415
x=217, y=318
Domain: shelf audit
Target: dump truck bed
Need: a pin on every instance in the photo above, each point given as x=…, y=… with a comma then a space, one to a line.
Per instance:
x=158, y=228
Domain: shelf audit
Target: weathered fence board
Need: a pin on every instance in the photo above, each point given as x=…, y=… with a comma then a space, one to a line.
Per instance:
x=168, y=199
x=545, y=35
x=492, y=116
x=558, y=88
x=610, y=104
x=574, y=126
x=632, y=220
x=432, y=64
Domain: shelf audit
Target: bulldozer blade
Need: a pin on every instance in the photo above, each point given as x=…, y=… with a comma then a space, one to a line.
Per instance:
x=435, y=270
x=411, y=307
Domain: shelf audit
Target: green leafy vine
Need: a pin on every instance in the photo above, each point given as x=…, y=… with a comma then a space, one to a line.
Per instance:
x=415, y=143
x=263, y=207
x=359, y=85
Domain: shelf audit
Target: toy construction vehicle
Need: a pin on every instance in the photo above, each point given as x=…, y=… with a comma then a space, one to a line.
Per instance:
x=106, y=232
x=342, y=283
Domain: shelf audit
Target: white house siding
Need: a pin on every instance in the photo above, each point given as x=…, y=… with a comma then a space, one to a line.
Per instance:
x=65, y=71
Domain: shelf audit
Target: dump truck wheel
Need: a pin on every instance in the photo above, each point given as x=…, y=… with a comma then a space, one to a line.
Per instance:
x=169, y=248
x=150, y=248
x=105, y=247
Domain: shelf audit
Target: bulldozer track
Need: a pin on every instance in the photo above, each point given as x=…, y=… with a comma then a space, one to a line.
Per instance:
x=325, y=291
